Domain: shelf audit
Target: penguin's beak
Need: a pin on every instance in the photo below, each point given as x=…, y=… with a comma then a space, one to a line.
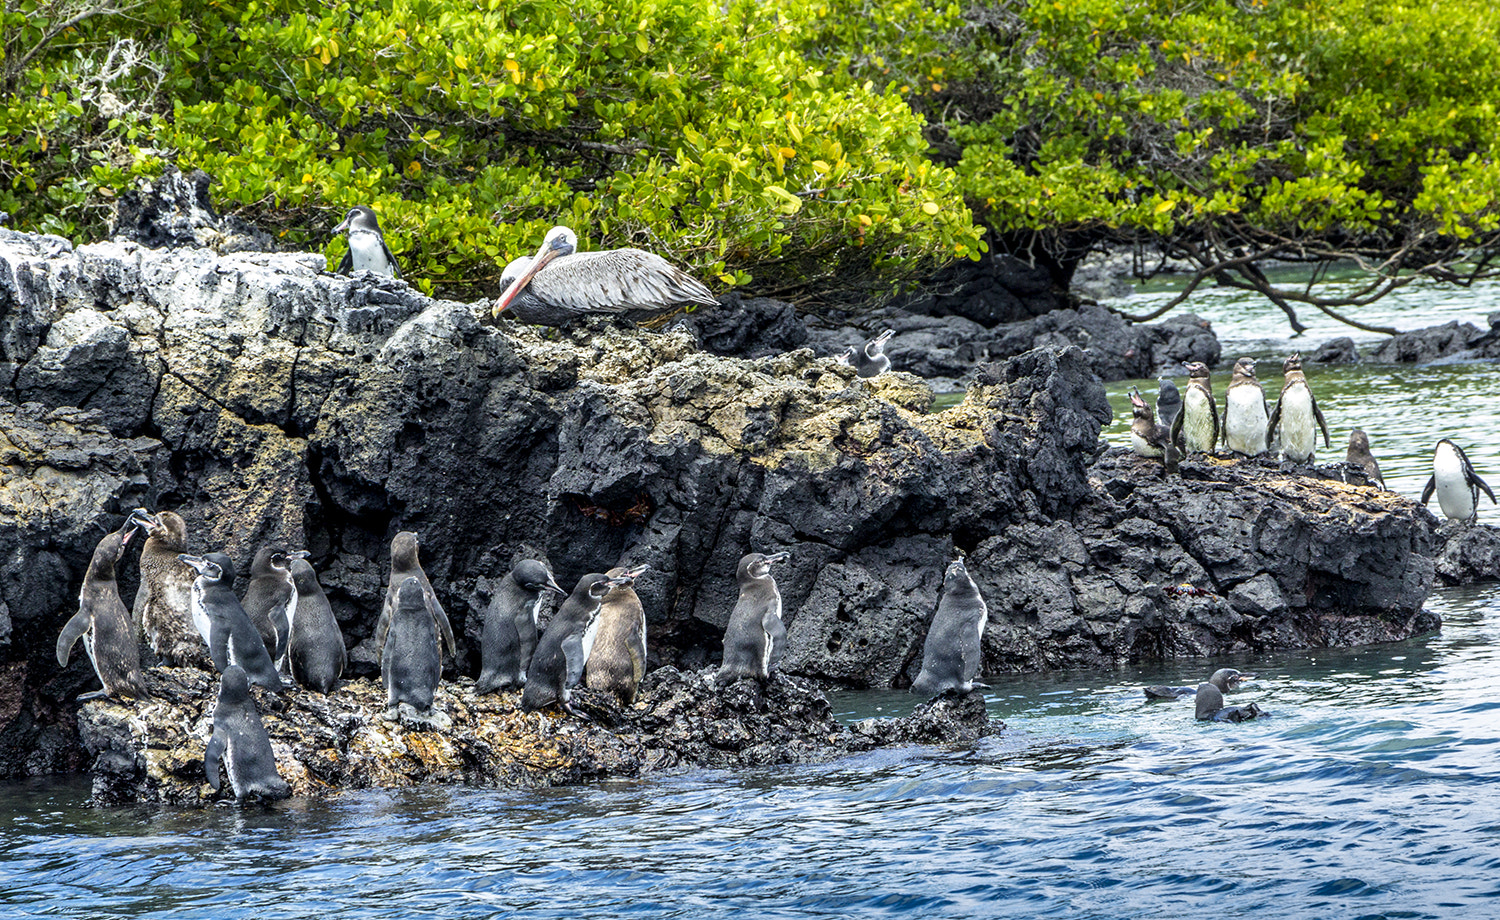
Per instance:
x=342, y=227
x=299, y=554
x=199, y=564
x=630, y=576
x=779, y=557
x=552, y=586
x=1136, y=402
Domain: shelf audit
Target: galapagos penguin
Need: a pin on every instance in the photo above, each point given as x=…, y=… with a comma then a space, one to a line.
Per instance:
x=616, y=642
x=869, y=360
x=1148, y=437
x=104, y=624
x=240, y=743
x=1225, y=678
x=951, y=652
x=1208, y=703
x=560, y=656
x=162, y=610
x=1456, y=483
x=755, y=637
x=316, y=650
x=367, y=249
x=1168, y=402
x=1359, y=455
x=510, y=626
x=232, y=638
x=1246, y=430
x=1295, y=413
x=404, y=565
x=271, y=600
x=411, y=664
x=1197, y=425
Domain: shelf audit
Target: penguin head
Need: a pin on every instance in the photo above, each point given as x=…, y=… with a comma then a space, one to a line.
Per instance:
x=404, y=551
x=410, y=598
x=1358, y=440
x=234, y=686
x=623, y=577
x=1245, y=367
x=876, y=346
x=1197, y=370
x=1293, y=363
x=304, y=576
x=533, y=576
x=208, y=570
x=270, y=560
x=1138, y=405
x=593, y=586
x=1228, y=678
x=848, y=356
x=758, y=565
x=167, y=527
x=359, y=218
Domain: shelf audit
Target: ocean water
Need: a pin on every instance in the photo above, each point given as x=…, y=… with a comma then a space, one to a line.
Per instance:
x=1369, y=793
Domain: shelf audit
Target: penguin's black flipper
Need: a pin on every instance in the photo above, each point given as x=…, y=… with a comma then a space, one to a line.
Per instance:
x=346, y=264
x=212, y=756
x=1432, y=487
x=1176, y=433
x=1275, y=418
x=79, y=625
x=1318, y=414
x=1213, y=413
x=395, y=266
x=1486, y=487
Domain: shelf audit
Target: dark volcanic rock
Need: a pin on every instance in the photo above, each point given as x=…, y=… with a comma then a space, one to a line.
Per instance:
x=152, y=750
x=998, y=288
x=1337, y=351
x=1452, y=340
x=1470, y=553
x=746, y=327
x=174, y=210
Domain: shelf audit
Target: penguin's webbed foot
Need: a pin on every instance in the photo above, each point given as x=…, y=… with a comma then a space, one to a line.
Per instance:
x=94, y=695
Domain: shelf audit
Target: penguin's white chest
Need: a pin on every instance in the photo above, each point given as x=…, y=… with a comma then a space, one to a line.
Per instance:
x=367, y=252
x=1454, y=494
x=1198, y=421
x=1298, y=429
x=200, y=615
x=1245, y=420
x=591, y=634
x=1142, y=447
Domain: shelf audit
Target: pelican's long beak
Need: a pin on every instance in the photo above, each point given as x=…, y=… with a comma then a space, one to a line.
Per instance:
x=545, y=254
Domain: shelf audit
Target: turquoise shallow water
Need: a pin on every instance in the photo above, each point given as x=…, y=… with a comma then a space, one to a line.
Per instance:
x=1369, y=793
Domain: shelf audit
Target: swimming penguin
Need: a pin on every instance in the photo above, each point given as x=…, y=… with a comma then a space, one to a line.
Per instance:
x=411, y=664
x=1295, y=413
x=162, y=609
x=510, y=622
x=1359, y=455
x=950, y=655
x=232, y=638
x=1245, y=420
x=1168, y=402
x=1148, y=437
x=240, y=743
x=616, y=641
x=870, y=360
x=404, y=565
x=367, y=249
x=271, y=599
x=1456, y=483
x=1208, y=704
x=560, y=655
x=1225, y=678
x=316, y=650
x=104, y=624
x=1197, y=427
x=756, y=636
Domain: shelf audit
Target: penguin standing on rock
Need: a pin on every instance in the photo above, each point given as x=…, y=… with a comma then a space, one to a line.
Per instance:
x=316, y=650
x=1359, y=455
x=1197, y=426
x=951, y=654
x=232, y=638
x=1168, y=402
x=560, y=655
x=869, y=360
x=404, y=565
x=240, y=743
x=411, y=664
x=104, y=624
x=1148, y=437
x=756, y=636
x=1296, y=412
x=271, y=600
x=367, y=249
x=1246, y=429
x=510, y=626
x=617, y=644
x=1455, y=482
x=162, y=610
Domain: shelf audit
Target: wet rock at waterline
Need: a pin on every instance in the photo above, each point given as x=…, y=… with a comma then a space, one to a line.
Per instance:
x=152, y=750
x=1469, y=553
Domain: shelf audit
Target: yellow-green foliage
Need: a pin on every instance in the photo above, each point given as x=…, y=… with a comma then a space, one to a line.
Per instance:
x=691, y=127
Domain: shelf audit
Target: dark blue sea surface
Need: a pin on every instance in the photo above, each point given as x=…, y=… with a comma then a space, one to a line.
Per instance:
x=1371, y=792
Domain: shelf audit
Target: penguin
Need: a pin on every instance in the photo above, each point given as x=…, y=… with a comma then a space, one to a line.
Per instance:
x=615, y=643
x=1359, y=455
x=102, y=621
x=162, y=609
x=411, y=663
x=950, y=654
x=1197, y=427
x=404, y=565
x=367, y=249
x=755, y=638
x=232, y=638
x=560, y=656
x=1295, y=413
x=1208, y=703
x=510, y=621
x=870, y=360
x=1456, y=483
x=315, y=650
x=1245, y=425
x=271, y=599
x=240, y=743
x=1168, y=402
x=1225, y=678
x=1148, y=437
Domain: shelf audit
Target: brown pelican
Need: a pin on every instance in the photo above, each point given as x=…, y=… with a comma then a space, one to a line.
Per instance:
x=367, y=249
x=560, y=284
